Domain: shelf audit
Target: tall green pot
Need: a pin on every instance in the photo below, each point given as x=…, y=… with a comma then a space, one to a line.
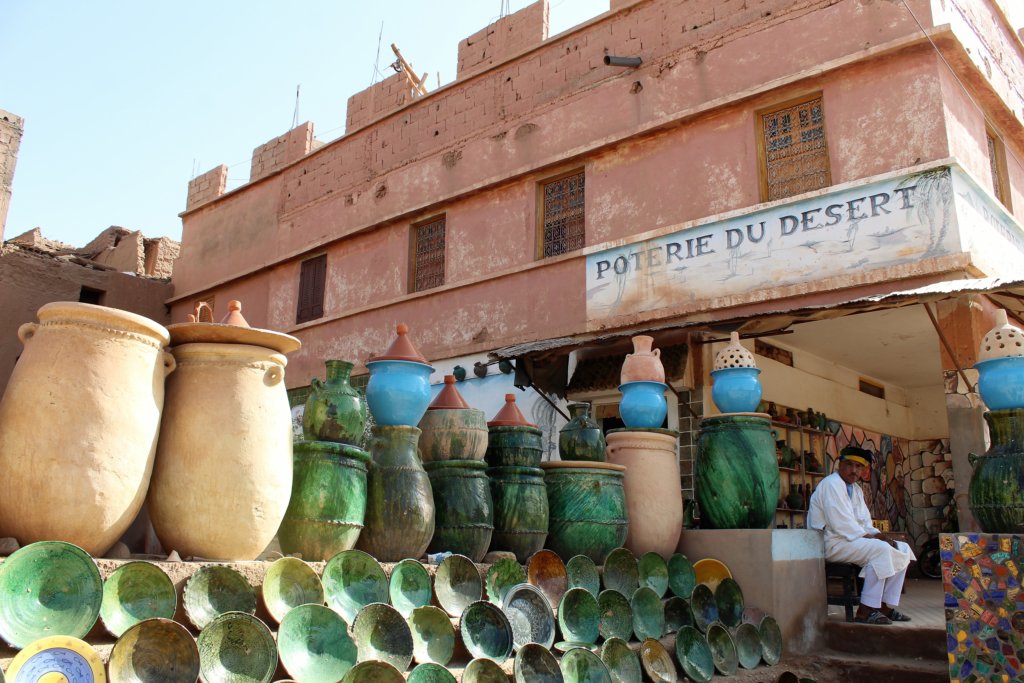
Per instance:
x=520, y=510
x=587, y=508
x=334, y=410
x=996, y=492
x=736, y=475
x=328, y=505
x=464, y=519
x=399, y=500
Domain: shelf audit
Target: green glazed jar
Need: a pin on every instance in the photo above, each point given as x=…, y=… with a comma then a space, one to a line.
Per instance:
x=581, y=438
x=996, y=492
x=520, y=510
x=464, y=508
x=334, y=410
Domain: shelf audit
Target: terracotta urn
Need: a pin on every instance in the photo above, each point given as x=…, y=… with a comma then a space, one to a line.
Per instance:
x=223, y=473
x=644, y=364
x=653, y=497
x=334, y=410
x=79, y=424
x=451, y=429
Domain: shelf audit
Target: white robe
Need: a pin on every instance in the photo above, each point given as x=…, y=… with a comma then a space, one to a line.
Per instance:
x=845, y=522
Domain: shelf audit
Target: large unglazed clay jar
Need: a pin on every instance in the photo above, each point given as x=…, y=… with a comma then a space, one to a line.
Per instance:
x=223, y=473
x=653, y=497
x=79, y=424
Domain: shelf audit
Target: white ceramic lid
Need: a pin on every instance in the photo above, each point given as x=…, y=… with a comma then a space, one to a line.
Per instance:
x=1002, y=341
x=734, y=355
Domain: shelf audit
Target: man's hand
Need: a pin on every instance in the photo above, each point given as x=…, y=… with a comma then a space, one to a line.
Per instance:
x=881, y=537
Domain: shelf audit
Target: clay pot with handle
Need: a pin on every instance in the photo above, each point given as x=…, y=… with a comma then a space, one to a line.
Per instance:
x=644, y=364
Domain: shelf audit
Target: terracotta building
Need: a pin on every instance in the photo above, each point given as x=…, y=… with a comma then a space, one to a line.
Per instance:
x=120, y=268
x=839, y=180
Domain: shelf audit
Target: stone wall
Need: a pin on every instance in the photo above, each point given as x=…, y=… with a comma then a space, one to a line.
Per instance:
x=11, y=129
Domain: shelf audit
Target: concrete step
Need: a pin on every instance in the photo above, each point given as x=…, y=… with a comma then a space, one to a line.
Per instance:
x=879, y=668
x=868, y=640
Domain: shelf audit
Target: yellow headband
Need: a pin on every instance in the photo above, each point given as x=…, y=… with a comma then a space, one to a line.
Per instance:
x=857, y=459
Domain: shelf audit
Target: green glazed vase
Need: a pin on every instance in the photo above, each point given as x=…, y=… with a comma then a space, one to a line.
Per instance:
x=581, y=438
x=587, y=508
x=736, y=474
x=464, y=520
x=520, y=510
x=399, y=501
x=334, y=410
x=996, y=492
x=328, y=505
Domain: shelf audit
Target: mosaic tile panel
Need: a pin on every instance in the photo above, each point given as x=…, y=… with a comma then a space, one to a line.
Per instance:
x=981, y=575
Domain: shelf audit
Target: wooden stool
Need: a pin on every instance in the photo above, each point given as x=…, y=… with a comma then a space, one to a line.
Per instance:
x=848, y=575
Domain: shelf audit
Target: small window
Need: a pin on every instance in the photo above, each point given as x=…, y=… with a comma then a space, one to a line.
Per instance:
x=997, y=167
x=793, y=149
x=871, y=388
x=427, y=267
x=562, y=224
x=88, y=295
x=312, y=280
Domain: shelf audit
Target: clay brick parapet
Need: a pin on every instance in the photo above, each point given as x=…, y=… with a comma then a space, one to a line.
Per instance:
x=379, y=99
x=206, y=187
x=281, y=151
x=504, y=38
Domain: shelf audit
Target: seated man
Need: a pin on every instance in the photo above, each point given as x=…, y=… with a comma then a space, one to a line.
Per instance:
x=837, y=507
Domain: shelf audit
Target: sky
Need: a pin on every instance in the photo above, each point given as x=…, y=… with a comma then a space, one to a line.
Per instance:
x=125, y=102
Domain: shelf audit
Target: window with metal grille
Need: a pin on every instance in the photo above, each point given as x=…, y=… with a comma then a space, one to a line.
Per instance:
x=562, y=216
x=427, y=255
x=312, y=280
x=997, y=166
x=793, y=150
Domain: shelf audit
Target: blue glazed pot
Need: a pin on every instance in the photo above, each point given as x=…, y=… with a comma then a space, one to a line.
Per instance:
x=398, y=392
x=643, y=404
x=736, y=390
x=1001, y=382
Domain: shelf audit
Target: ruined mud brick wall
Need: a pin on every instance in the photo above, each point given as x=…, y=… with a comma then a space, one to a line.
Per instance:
x=11, y=129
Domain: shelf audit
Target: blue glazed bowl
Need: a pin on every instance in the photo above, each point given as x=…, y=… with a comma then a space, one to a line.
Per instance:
x=736, y=390
x=398, y=392
x=643, y=404
x=1001, y=382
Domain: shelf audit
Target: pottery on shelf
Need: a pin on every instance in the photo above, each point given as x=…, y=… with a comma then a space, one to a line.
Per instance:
x=643, y=404
x=82, y=408
x=586, y=508
x=398, y=391
x=521, y=514
x=327, y=507
x=653, y=500
x=464, y=510
x=399, y=500
x=451, y=429
x=581, y=438
x=334, y=410
x=736, y=473
x=644, y=364
x=735, y=386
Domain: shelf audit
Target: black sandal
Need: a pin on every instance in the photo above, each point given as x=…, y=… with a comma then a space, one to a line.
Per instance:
x=875, y=617
x=896, y=615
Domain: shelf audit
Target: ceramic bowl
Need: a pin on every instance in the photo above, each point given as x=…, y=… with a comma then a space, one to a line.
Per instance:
x=215, y=590
x=710, y=572
x=409, y=587
x=288, y=583
x=579, y=616
x=156, y=650
x=657, y=662
x=723, y=649
x=136, y=591
x=648, y=613
x=48, y=659
x=677, y=614
x=483, y=671
x=352, y=580
x=398, y=392
x=486, y=632
x=771, y=641
x=1001, y=382
x=748, y=645
x=373, y=672
x=622, y=662
x=314, y=644
x=433, y=636
x=703, y=607
x=382, y=634
x=694, y=655
x=681, y=577
x=621, y=572
x=580, y=665
x=729, y=600
x=535, y=664
x=546, y=571
x=48, y=588
x=457, y=584
x=643, y=404
x=653, y=572
x=529, y=613
x=736, y=390
x=616, y=620
x=429, y=672
x=236, y=647
x=581, y=572
x=501, y=576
